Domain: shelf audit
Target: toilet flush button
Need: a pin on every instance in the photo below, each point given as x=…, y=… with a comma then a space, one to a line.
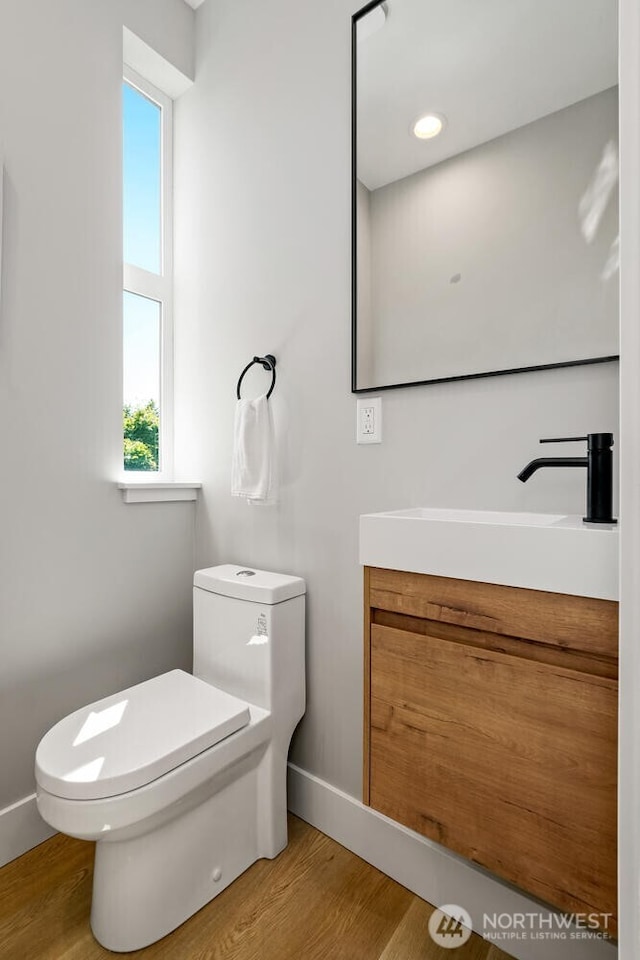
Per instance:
x=216, y=875
x=246, y=573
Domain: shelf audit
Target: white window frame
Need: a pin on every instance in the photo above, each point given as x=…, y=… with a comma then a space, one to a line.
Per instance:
x=159, y=286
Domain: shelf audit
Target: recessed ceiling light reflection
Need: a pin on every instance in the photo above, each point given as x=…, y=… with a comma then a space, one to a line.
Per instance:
x=428, y=126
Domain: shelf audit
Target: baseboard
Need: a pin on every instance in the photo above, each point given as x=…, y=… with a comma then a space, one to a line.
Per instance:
x=425, y=868
x=431, y=871
x=21, y=828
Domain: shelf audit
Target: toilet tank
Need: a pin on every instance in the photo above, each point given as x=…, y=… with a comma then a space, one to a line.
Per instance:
x=248, y=635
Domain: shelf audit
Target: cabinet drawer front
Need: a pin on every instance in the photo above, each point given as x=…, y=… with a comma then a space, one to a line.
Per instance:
x=491, y=756
x=578, y=623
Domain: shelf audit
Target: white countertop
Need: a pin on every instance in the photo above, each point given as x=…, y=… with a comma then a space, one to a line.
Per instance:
x=557, y=553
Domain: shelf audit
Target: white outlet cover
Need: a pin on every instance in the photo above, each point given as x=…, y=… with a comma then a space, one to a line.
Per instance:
x=369, y=409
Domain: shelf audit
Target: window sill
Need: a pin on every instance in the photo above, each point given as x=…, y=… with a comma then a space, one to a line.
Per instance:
x=155, y=491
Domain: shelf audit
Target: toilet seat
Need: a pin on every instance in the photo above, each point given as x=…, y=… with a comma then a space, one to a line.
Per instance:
x=135, y=736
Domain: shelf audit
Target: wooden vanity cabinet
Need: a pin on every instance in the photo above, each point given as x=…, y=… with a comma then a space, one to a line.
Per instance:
x=491, y=728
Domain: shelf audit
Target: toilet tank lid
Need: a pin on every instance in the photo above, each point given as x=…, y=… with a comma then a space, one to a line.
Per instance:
x=247, y=583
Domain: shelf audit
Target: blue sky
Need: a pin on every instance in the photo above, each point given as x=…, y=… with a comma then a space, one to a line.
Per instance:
x=141, y=350
x=141, y=242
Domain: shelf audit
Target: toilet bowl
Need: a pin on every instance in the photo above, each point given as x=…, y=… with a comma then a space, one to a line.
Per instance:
x=181, y=780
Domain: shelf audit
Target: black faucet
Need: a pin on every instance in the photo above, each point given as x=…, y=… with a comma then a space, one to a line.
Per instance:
x=599, y=464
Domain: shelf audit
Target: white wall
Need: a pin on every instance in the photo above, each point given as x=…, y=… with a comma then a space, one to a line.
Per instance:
x=629, y=746
x=263, y=199
x=364, y=350
x=94, y=594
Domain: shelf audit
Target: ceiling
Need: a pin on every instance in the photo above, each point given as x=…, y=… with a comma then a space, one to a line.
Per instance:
x=489, y=67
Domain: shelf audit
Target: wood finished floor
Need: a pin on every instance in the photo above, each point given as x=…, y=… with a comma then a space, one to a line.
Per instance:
x=316, y=901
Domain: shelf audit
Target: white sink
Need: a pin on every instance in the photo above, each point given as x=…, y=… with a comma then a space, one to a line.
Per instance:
x=540, y=551
x=476, y=516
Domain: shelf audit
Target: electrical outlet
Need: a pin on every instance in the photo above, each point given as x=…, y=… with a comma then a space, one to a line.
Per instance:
x=369, y=420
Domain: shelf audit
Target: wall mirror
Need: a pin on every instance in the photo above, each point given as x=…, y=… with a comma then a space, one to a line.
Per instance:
x=485, y=179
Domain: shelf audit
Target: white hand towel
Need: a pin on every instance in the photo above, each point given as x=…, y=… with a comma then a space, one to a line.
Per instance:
x=253, y=463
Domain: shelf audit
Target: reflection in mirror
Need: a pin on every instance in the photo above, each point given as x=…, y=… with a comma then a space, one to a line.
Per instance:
x=485, y=187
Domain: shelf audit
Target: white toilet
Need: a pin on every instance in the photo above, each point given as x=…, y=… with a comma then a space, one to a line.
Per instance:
x=181, y=779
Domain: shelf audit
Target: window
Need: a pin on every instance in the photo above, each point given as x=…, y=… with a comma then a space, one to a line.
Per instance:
x=147, y=300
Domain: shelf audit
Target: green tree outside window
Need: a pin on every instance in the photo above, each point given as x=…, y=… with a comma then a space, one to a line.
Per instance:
x=141, y=437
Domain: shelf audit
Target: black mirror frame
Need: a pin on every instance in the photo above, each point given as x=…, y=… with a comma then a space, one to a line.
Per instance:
x=354, y=248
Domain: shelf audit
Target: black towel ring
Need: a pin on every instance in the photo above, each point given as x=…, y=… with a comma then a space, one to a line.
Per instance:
x=269, y=363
